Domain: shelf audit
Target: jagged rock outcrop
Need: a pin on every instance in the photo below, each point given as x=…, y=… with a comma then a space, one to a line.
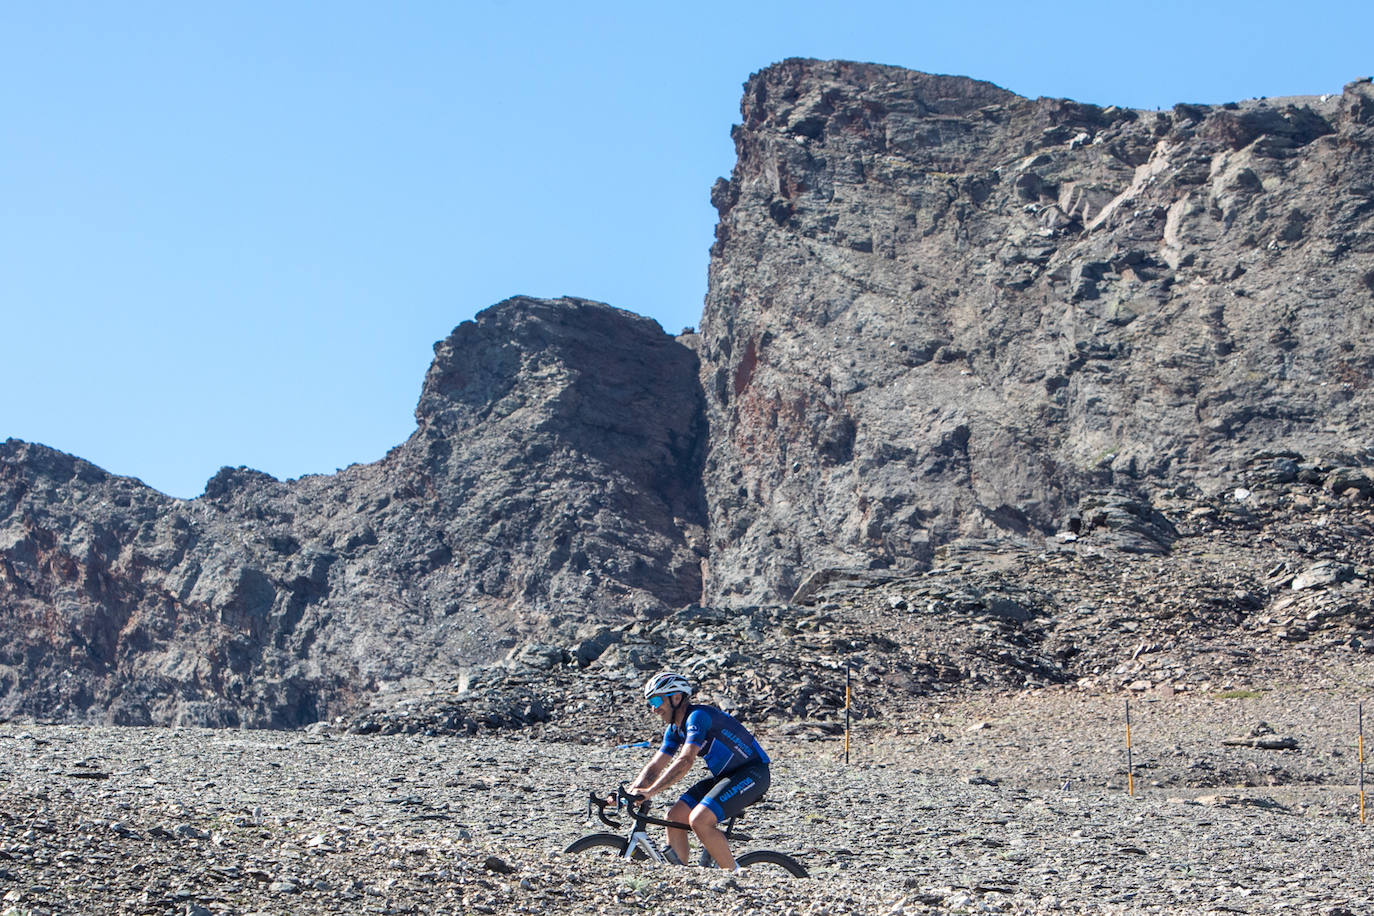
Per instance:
x=942, y=320
x=553, y=478
x=1266, y=583
x=940, y=310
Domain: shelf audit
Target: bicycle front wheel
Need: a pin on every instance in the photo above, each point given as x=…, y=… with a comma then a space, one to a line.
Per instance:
x=603, y=844
x=769, y=860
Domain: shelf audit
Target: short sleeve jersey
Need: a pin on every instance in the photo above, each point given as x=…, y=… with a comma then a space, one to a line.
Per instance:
x=724, y=744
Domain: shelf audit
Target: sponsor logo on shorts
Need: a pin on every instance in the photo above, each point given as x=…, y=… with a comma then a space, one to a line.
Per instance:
x=746, y=783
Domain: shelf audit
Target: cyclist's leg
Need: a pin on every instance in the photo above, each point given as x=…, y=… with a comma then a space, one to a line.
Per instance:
x=677, y=839
x=729, y=796
x=681, y=812
x=703, y=821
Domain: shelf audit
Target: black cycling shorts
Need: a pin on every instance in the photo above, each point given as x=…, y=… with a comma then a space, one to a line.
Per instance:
x=730, y=794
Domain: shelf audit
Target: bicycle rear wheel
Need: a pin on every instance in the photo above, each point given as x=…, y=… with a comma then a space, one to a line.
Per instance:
x=769, y=859
x=603, y=844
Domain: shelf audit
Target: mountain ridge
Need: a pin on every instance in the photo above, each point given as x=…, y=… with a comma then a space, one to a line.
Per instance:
x=265, y=602
x=1069, y=297
x=937, y=314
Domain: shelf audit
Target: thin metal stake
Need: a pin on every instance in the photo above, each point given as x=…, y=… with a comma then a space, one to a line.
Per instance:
x=846, y=715
x=1361, y=763
x=1130, y=763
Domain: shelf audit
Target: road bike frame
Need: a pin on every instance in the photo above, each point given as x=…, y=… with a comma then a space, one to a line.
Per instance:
x=639, y=844
x=639, y=836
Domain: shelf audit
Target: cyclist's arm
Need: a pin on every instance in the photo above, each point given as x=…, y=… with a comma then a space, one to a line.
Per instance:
x=681, y=764
x=651, y=770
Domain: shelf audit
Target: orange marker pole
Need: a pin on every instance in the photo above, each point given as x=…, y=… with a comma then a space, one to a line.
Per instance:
x=1130, y=764
x=1361, y=763
x=846, y=715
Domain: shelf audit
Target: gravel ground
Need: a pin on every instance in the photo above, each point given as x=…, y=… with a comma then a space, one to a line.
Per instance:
x=1010, y=802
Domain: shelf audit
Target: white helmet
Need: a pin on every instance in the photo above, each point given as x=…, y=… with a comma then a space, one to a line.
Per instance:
x=666, y=684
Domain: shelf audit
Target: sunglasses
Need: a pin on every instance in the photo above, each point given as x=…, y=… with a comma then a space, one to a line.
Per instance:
x=655, y=702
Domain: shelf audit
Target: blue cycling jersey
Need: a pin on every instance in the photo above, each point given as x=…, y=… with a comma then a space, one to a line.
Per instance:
x=724, y=744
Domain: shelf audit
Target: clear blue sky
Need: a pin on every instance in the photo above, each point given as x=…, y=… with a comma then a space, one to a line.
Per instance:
x=232, y=231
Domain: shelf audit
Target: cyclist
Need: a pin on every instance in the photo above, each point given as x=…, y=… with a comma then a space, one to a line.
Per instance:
x=738, y=765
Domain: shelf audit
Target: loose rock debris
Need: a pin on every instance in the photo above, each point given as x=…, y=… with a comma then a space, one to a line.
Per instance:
x=1026, y=814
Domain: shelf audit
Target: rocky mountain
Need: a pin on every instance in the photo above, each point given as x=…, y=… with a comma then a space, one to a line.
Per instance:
x=940, y=310
x=554, y=476
x=943, y=321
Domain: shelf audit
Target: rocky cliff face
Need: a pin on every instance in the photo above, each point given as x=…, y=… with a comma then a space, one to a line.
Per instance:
x=938, y=313
x=554, y=477
x=940, y=310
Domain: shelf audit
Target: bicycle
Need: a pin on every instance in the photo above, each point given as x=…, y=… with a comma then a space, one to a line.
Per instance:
x=638, y=847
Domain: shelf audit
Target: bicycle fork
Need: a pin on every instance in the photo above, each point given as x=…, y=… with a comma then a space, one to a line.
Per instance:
x=639, y=839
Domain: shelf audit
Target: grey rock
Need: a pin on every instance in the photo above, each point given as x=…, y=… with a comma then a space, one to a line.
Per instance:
x=590, y=649
x=1132, y=524
x=498, y=865
x=1343, y=480
x=1114, y=304
x=1284, y=470
x=1321, y=574
x=941, y=319
x=554, y=476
